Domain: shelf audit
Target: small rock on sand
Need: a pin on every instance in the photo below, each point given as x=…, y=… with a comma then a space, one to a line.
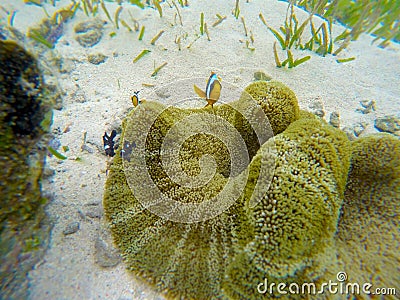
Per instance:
x=97, y=58
x=260, y=75
x=105, y=254
x=71, y=228
x=368, y=106
x=388, y=123
x=334, y=119
x=317, y=108
x=94, y=212
x=89, y=33
x=353, y=131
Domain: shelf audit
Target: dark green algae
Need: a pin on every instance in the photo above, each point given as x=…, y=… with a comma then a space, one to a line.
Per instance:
x=25, y=116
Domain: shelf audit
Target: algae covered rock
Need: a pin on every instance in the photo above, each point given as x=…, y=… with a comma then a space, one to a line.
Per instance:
x=277, y=100
x=369, y=227
x=389, y=123
x=21, y=89
x=260, y=75
x=25, y=115
x=97, y=58
x=295, y=222
x=51, y=28
x=89, y=33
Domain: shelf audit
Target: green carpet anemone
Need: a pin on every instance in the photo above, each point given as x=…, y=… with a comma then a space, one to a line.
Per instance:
x=368, y=229
x=294, y=224
x=171, y=212
x=277, y=101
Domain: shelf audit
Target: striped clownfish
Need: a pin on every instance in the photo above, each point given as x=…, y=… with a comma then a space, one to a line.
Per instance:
x=135, y=99
x=213, y=90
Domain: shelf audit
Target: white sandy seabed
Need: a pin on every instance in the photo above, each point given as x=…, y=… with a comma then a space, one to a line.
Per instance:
x=97, y=97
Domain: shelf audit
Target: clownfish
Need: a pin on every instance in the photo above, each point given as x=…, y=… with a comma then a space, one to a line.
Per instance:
x=135, y=99
x=213, y=90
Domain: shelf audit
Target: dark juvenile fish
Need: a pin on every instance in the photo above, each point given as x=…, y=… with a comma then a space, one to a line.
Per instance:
x=127, y=150
x=108, y=142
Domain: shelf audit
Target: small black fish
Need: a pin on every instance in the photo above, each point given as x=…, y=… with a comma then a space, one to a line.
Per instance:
x=127, y=150
x=108, y=142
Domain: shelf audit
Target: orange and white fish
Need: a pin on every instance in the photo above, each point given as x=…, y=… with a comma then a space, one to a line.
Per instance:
x=135, y=99
x=213, y=89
